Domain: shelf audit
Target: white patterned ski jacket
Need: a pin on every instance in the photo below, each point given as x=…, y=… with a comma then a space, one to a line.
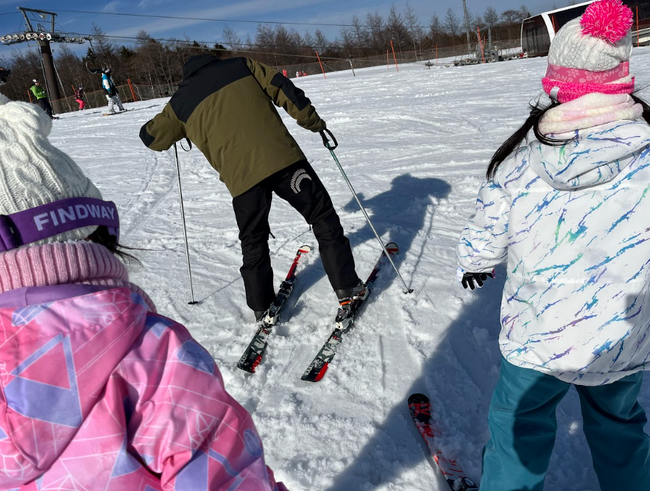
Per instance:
x=573, y=223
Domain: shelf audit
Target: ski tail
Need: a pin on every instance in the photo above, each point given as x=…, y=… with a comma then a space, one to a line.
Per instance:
x=254, y=353
x=420, y=409
x=318, y=367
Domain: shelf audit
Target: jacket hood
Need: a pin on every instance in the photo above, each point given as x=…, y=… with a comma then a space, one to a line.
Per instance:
x=595, y=156
x=195, y=63
x=55, y=359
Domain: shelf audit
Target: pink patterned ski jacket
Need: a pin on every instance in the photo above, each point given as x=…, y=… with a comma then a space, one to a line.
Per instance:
x=99, y=393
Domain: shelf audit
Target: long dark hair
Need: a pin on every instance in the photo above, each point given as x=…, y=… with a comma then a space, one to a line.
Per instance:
x=102, y=237
x=538, y=110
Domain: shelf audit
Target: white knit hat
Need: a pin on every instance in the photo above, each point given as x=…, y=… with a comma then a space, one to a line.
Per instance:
x=32, y=171
x=591, y=53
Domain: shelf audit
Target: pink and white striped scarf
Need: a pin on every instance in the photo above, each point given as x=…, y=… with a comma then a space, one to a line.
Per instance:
x=588, y=111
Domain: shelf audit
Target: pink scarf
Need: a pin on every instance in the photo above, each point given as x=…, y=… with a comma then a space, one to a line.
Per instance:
x=588, y=111
x=61, y=263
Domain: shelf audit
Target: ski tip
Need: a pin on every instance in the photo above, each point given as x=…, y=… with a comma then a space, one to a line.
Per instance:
x=304, y=249
x=321, y=372
x=418, y=399
x=246, y=366
x=314, y=375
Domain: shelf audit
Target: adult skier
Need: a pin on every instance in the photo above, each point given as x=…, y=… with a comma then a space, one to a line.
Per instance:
x=227, y=108
x=112, y=95
x=41, y=97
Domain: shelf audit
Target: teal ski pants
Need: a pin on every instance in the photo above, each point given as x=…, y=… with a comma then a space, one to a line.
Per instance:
x=523, y=425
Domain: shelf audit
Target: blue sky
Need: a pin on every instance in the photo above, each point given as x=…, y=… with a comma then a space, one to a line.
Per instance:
x=300, y=11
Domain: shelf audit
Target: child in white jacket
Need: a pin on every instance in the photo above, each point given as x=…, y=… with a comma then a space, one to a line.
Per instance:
x=568, y=212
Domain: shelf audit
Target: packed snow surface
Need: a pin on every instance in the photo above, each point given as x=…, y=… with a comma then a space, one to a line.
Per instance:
x=415, y=145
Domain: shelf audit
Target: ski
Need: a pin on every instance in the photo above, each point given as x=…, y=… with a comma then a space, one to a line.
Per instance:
x=252, y=357
x=344, y=322
x=420, y=409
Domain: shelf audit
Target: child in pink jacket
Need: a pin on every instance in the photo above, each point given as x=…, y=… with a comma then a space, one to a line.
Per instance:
x=97, y=391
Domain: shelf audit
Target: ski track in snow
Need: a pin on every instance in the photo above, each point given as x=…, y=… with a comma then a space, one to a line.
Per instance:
x=415, y=145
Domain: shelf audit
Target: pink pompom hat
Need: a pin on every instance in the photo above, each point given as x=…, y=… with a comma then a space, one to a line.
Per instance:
x=592, y=53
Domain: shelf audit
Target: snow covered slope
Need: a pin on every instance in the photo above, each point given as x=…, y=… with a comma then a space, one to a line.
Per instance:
x=415, y=145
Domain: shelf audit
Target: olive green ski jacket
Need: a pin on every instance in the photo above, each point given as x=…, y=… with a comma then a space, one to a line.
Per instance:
x=227, y=109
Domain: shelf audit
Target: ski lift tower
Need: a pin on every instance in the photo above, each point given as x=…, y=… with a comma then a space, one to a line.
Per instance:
x=466, y=17
x=44, y=35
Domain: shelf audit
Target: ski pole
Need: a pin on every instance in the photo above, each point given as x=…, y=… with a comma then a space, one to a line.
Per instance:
x=187, y=250
x=331, y=148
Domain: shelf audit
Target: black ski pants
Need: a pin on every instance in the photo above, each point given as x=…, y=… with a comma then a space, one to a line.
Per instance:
x=299, y=185
x=45, y=105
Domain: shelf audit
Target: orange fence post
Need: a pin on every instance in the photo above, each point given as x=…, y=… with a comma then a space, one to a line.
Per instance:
x=321, y=64
x=480, y=43
x=135, y=98
x=394, y=57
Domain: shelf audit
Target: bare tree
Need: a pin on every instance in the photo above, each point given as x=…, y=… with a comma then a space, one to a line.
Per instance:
x=413, y=24
x=376, y=32
x=479, y=23
x=511, y=16
x=452, y=24
x=231, y=38
x=491, y=17
x=360, y=34
x=322, y=44
x=308, y=41
x=397, y=30
x=435, y=29
x=103, y=49
x=265, y=41
x=347, y=41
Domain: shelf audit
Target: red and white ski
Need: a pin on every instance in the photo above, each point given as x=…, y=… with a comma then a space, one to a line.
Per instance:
x=252, y=357
x=344, y=322
x=420, y=409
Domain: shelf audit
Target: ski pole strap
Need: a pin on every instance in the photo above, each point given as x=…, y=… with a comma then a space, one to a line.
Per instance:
x=55, y=218
x=326, y=142
x=189, y=142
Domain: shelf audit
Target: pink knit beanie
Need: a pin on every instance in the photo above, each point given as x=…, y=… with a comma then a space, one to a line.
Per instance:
x=591, y=53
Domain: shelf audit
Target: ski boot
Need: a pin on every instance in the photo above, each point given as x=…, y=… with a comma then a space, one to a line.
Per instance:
x=349, y=301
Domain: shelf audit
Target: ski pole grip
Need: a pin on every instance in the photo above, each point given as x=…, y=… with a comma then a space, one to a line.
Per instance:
x=326, y=142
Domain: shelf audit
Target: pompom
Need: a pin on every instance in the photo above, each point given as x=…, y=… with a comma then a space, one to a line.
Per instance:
x=607, y=19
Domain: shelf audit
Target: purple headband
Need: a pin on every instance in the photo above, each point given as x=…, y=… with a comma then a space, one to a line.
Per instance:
x=55, y=218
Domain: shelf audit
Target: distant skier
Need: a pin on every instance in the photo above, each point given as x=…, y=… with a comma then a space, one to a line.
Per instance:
x=79, y=97
x=226, y=107
x=112, y=95
x=98, y=390
x=568, y=211
x=41, y=97
x=4, y=75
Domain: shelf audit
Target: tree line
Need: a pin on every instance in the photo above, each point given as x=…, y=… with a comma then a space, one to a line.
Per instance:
x=159, y=62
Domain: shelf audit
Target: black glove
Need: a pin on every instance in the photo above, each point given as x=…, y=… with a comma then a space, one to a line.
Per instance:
x=474, y=280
